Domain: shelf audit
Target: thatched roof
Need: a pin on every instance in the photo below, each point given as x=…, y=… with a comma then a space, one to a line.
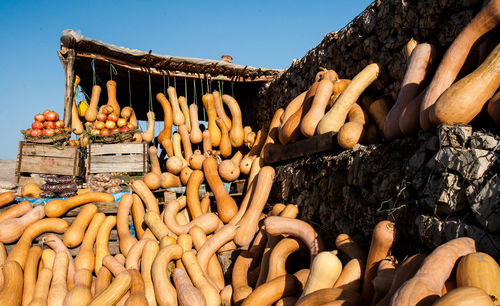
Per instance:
x=162, y=64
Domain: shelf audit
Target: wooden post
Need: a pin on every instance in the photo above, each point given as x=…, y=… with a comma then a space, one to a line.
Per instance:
x=67, y=57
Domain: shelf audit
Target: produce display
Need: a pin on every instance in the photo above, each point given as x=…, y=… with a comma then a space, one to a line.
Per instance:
x=58, y=187
x=47, y=128
x=105, y=182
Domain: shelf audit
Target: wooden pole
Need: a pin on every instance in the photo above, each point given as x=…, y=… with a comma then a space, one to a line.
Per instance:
x=67, y=57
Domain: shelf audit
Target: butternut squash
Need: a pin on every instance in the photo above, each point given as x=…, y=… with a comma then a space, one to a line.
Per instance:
x=113, y=265
x=147, y=197
x=247, y=160
x=404, y=272
x=176, y=142
x=129, y=114
x=226, y=206
x=272, y=291
x=208, y=221
x=292, y=107
x=151, y=249
x=168, y=180
x=290, y=130
x=352, y=132
x=116, y=290
x=76, y=123
x=326, y=74
x=324, y=272
x=248, y=223
x=465, y=295
x=247, y=141
x=6, y=198
x=409, y=120
x=138, y=212
x=41, y=292
x=85, y=257
x=419, y=66
x=195, y=136
x=382, y=282
x=351, y=276
x=338, y=87
x=225, y=142
x=208, y=249
x=164, y=291
x=350, y=247
x=156, y=225
x=12, y=290
x=174, y=165
x=287, y=226
x=127, y=240
x=207, y=143
x=236, y=133
x=453, y=60
x=55, y=243
x=76, y=231
x=226, y=295
x=219, y=109
x=463, y=100
x=31, y=190
x=58, y=207
x=205, y=204
x=47, y=259
x=333, y=120
x=279, y=255
x=323, y=296
x=91, y=112
x=12, y=229
x=187, y=293
x=58, y=287
x=494, y=109
x=208, y=103
x=317, y=110
x=111, y=87
x=228, y=170
x=428, y=282
x=152, y=180
x=482, y=271
x=20, y=250
x=185, y=112
x=102, y=281
x=30, y=274
x=133, y=260
x=166, y=133
x=272, y=134
x=239, y=280
x=192, y=193
x=178, y=117
x=214, y=270
x=81, y=294
x=257, y=165
x=153, y=159
x=210, y=293
x=149, y=134
x=101, y=243
x=16, y=211
x=380, y=247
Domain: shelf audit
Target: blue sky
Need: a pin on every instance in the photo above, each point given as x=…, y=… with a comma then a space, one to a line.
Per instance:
x=257, y=33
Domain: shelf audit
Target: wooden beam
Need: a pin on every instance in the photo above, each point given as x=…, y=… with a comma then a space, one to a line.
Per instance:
x=162, y=72
x=67, y=57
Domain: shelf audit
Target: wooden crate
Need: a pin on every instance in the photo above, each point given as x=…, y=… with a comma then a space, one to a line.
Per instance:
x=116, y=157
x=110, y=208
x=34, y=158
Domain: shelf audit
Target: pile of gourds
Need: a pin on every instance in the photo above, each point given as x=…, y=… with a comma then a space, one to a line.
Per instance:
x=467, y=78
x=173, y=260
x=223, y=136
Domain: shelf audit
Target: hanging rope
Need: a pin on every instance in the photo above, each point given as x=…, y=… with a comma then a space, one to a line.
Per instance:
x=129, y=91
x=220, y=89
x=232, y=89
x=194, y=91
x=112, y=70
x=164, y=89
x=185, y=88
x=203, y=93
x=93, y=71
x=168, y=78
x=150, y=94
x=175, y=84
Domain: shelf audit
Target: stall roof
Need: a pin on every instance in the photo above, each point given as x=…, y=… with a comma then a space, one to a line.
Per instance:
x=163, y=64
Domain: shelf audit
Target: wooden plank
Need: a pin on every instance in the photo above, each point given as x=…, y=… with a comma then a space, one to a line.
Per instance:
x=117, y=159
x=23, y=180
x=47, y=165
x=49, y=150
x=116, y=148
x=301, y=148
x=123, y=167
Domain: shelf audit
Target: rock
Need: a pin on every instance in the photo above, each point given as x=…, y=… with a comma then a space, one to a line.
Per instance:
x=444, y=194
x=470, y=163
x=483, y=141
x=455, y=136
x=486, y=205
x=6, y=185
x=432, y=144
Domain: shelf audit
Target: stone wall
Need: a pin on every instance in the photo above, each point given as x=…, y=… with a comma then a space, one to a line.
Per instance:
x=379, y=34
x=437, y=185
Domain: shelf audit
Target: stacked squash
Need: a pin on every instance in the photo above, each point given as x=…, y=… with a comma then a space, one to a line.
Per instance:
x=233, y=146
x=173, y=259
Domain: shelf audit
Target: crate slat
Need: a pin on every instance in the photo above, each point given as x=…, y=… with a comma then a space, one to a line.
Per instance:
x=135, y=158
x=116, y=148
x=47, y=165
x=123, y=167
x=49, y=150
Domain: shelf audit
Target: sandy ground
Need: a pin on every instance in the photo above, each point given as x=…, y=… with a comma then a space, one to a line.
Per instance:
x=7, y=170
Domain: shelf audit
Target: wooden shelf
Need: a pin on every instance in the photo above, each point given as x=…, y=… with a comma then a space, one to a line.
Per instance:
x=316, y=144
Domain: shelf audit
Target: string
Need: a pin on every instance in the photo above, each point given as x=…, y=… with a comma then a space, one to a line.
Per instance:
x=185, y=88
x=175, y=84
x=112, y=70
x=194, y=90
x=93, y=71
x=220, y=89
x=129, y=91
x=150, y=94
x=203, y=93
x=232, y=89
x=164, y=90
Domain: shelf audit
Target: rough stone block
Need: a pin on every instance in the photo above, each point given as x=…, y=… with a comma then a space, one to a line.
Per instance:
x=455, y=136
x=444, y=194
x=483, y=141
x=486, y=206
x=471, y=164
